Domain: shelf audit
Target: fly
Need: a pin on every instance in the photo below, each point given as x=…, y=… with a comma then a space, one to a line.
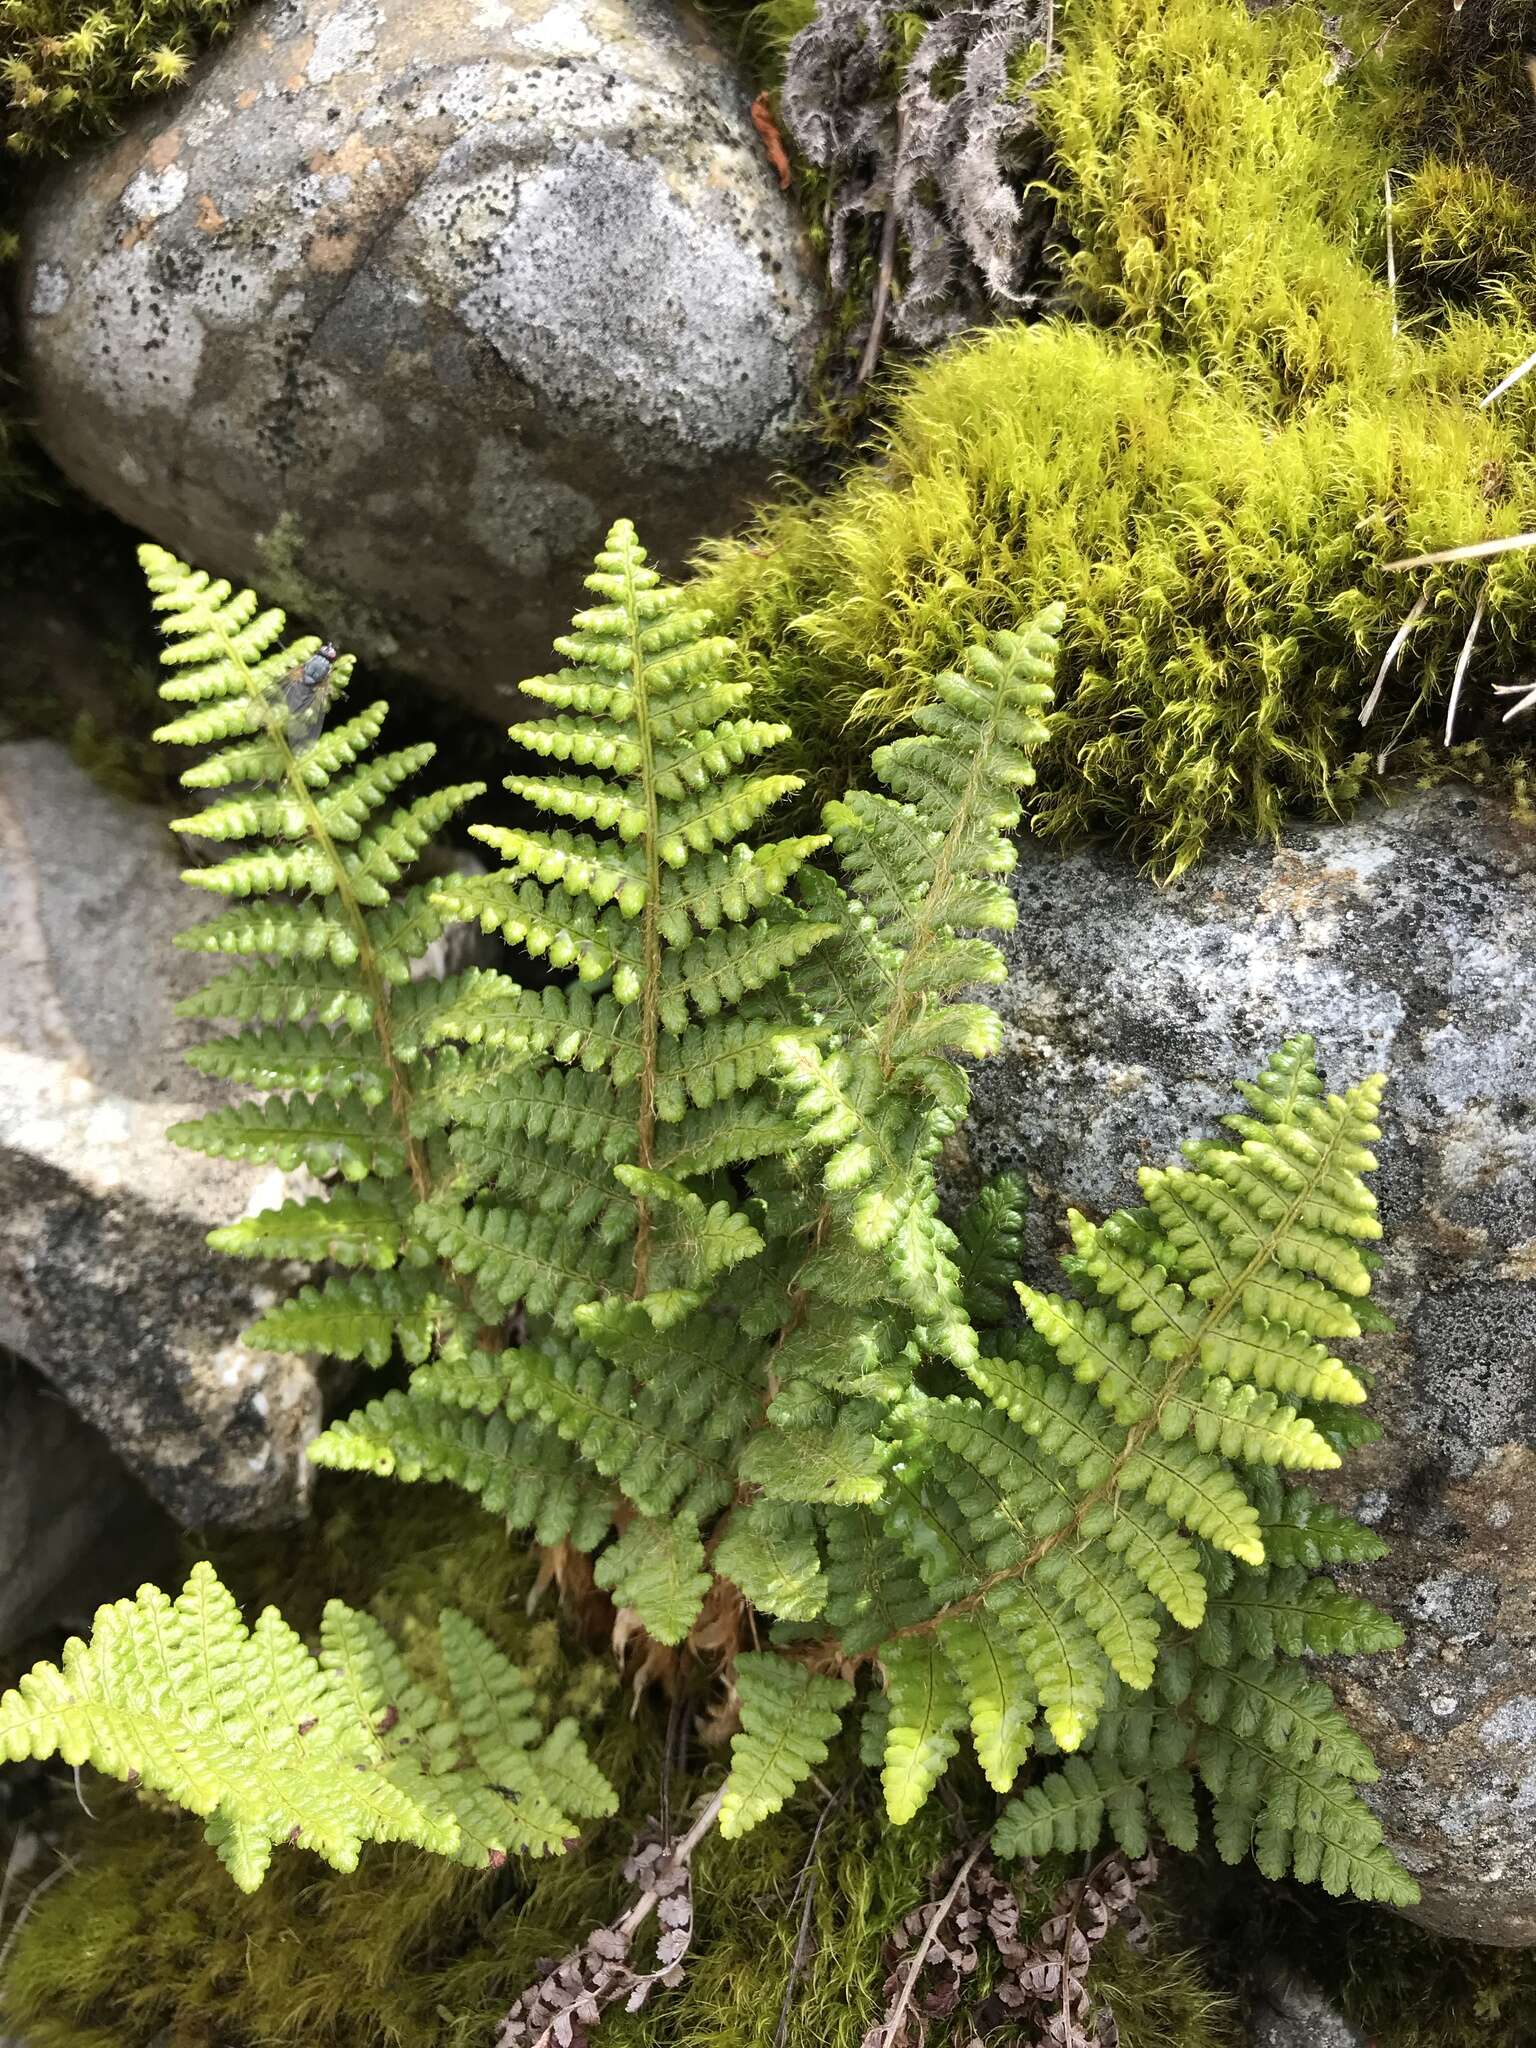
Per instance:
x=300, y=699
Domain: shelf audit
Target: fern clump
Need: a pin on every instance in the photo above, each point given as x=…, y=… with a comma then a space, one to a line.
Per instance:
x=658, y=1247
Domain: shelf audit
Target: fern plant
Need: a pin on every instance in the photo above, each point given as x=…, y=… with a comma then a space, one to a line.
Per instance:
x=660, y=1240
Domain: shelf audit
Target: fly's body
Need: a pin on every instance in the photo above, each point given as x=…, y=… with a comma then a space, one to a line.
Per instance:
x=301, y=698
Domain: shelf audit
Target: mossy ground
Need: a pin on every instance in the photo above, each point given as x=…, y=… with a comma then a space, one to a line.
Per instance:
x=150, y=1942
x=1400, y=1986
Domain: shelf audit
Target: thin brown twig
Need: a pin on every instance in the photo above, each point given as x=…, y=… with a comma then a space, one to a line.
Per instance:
x=915, y=1969
x=807, y=1884
x=645, y=1905
x=24, y=1847
x=1473, y=551
x=887, y=272
x=673, y=1751
x=1382, y=40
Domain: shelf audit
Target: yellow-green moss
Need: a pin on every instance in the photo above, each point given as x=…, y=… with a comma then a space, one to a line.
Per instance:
x=1224, y=188
x=69, y=68
x=1213, y=485
x=1222, y=567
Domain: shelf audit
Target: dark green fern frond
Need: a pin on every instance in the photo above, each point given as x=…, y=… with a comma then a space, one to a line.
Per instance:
x=681, y=929
x=599, y=1122
x=990, y=1236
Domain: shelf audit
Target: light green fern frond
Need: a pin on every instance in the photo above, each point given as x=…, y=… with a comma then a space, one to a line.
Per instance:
x=1108, y=1524
x=329, y=1021
x=927, y=864
x=273, y=1744
x=681, y=928
x=788, y=1716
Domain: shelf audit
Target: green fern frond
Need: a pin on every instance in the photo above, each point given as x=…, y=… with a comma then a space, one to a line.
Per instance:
x=323, y=1006
x=926, y=864
x=1063, y=1521
x=788, y=1717
x=770, y=1551
x=927, y=1708
x=270, y=1744
x=657, y=1568
x=990, y=1244
x=519, y=1470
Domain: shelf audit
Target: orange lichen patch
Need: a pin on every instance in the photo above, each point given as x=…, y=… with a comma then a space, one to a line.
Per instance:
x=209, y=218
x=773, y=143
x=247, y=99
x=141, y=228
x=301, y=53
x=334, y=250
x=350, y=156
x=1301, y=887
x=164, y=150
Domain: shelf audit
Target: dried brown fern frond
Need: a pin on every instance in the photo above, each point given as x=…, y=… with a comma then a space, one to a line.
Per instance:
x=938, y=138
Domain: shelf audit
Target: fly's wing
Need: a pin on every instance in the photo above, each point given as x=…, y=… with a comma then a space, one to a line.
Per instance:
x=300, y=701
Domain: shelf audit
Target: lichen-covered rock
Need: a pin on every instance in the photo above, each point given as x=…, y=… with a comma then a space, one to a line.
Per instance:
x=1287, y=2011
x=1404, y=940
x=106, y=1284
x=402, y=300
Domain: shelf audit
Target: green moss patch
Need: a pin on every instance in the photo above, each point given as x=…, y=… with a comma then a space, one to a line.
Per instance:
x=1212, y=476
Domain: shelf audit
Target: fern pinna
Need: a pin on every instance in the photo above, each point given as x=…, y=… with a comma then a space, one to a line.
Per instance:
x=757, y=1373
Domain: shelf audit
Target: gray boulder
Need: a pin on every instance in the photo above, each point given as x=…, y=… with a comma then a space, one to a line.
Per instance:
x=75, y=1528
x=1404, y=940
x=400, y=303
x=106, y=1285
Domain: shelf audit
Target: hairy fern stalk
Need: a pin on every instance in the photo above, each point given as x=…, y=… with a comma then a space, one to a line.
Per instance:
x=659, y=1239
